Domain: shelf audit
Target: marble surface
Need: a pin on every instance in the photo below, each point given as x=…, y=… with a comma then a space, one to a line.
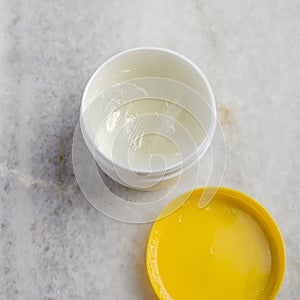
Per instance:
x=53, y=243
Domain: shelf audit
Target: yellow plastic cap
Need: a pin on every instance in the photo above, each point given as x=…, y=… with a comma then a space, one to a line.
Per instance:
x=230, y=249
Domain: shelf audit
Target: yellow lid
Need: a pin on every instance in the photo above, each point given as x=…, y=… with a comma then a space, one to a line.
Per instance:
x=231, y=249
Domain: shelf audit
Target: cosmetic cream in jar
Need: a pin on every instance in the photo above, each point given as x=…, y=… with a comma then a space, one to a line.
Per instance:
x=147, y=116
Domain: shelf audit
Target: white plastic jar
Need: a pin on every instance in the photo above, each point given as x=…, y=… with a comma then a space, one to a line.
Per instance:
x=148, y=115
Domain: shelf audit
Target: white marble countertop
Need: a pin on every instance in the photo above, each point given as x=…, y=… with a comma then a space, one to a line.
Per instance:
x=53, y=244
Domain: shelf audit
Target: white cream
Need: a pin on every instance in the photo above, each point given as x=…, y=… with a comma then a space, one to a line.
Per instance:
x=139, y=132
